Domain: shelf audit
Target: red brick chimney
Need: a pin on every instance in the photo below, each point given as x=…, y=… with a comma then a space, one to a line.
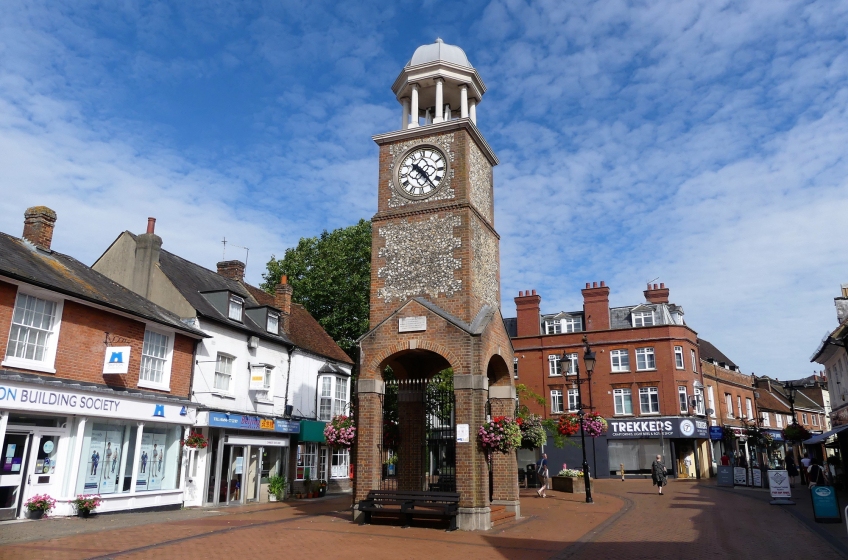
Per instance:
x=282, y=300
x=596, y=306
x=38, y=226
x=527, y=309
x=656, y=294
x=234, y=270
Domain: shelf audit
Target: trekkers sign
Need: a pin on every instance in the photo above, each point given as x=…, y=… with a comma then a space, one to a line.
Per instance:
x=653, y=428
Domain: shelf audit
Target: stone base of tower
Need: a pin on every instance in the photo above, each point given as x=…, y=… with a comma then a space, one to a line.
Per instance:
x=512, y=506
x=474, y=519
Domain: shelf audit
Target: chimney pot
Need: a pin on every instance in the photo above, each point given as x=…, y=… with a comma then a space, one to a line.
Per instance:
x=594, y=284
x=38, y=226
x=534, y=292
x=587, y=285
x=603, y=284
x=234, y=270
x=151, y=225
x=662, y=285
x=282, y=301
x=521, y=293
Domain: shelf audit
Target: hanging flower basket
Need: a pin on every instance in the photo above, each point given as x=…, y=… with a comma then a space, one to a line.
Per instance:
x=728, y=434
x=594, y=424
x=533, y=435
x=502, y=434
x=195, y=440
x=340, y=432
x=796, y=432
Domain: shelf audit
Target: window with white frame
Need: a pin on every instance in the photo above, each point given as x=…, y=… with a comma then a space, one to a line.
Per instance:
x=266, y=379
x=34, y=332
x=778, y=420
x=339, y=467
x=272, y=324
x=649, y=400
x=553, y=326
x=571, y=364
x=236, y=307
x=678, y=357
x=573, y=404
x=699, y=401
x=815, y=419
x=694, y=361
x=623, y=401
x=683, y=397
x=643, y=318
x=332, y=396
x=155, y=359
x=572, y=324
x=711, y=397
x=224, y=373
x=728, y=402
x=645, y=359
x=620, y=360
x=554, y=366
x=749, y=408
x=515, y=368
x=556, y=401
x=765, y=417
x=738, y=406
x=803, y=417
x=307, y=459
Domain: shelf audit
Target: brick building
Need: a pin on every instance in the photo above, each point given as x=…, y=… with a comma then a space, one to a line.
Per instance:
x=94, y=382
x=647, y=381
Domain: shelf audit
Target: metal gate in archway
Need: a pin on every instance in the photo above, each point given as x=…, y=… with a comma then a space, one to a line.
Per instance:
x=430, y=462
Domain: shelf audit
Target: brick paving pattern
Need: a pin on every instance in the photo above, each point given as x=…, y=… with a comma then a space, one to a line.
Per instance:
x=692, y=521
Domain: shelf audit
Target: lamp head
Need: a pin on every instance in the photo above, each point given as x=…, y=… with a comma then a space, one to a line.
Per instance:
x=589, y=361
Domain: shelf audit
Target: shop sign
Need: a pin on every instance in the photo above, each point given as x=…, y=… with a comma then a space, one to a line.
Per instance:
x=740, y=476
x=240, y=422
x=21, y=396
x=776, y=434
x=725, y=475
x=716, y=433
x=117, y=360
x=779, y=484
x=825, y=505
x=257, y=378
x=757, y=478
x=667, y=427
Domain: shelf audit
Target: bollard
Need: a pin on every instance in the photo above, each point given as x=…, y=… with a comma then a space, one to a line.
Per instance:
x=621, y=471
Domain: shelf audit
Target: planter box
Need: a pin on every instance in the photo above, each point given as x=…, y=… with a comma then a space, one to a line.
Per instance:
x=573, y=485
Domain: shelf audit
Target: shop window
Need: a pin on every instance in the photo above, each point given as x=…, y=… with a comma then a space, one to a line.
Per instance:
x=34, y=332
x=333, y=397
x=554, y=365
x=553, y=326
x=101, y=459
x=556, y=401
x=623, y=401
x=573, y=400
x=684, y=399
x=155, y=360
x=339, y=467
x=620, y=360
x=157, y=464
x=649, y=400
x=224, y=372
x=307, y=460
x=645, y=359
x=678, y=357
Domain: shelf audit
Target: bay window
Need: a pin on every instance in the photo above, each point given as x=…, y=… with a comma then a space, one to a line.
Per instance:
x=333, y=396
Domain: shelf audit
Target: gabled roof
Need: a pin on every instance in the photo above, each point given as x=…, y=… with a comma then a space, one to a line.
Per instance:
x=772, y=402
x=708, y=350
x=22, y=261
x=511, y=325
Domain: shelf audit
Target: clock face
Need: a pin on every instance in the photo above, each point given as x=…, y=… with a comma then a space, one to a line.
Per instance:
x=421, y=171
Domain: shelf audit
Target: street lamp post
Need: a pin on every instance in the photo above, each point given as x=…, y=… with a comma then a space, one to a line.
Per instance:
x=589, y=362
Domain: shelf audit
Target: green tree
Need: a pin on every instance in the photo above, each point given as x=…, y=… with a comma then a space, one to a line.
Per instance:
x=330, y=276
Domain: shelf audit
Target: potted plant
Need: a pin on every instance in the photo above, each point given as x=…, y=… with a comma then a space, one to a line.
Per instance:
x=390, y=466
x=39, y=505
x=86, y=503
x=276, y=488
x=568, y=480
x=322, y=489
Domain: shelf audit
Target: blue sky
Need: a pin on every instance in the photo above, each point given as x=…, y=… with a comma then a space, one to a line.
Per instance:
x=700, y=143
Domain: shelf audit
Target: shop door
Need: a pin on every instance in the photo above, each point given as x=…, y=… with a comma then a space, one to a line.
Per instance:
x=235, y=468
x=14, y=453
x=42, y=473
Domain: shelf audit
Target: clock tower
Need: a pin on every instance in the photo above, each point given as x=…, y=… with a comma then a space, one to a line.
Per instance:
x=435, y=293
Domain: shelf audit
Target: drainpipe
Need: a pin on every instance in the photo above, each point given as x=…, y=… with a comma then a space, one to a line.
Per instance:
x=288, y=378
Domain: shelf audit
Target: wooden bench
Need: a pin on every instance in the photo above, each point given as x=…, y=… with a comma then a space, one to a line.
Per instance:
x=408, y=504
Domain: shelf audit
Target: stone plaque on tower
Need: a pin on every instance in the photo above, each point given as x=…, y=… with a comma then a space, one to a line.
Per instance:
x=435, y=296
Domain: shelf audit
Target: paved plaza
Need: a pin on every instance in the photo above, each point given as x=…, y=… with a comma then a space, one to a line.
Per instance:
x=628, y=521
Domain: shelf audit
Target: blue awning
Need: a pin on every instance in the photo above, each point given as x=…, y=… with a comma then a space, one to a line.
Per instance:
x=821, y=438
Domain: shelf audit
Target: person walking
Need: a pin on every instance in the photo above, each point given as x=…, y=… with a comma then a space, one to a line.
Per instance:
x=659, y=474
x=805, y=468
x=543, y=474
x=791, y=469
x=816, y=474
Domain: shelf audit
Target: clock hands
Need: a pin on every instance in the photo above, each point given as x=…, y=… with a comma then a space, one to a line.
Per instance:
x=423, y=173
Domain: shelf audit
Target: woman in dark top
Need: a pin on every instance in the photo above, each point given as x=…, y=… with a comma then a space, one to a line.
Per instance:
x=658, y=473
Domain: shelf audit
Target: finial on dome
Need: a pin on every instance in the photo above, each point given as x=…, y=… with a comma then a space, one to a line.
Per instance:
x=439, y=40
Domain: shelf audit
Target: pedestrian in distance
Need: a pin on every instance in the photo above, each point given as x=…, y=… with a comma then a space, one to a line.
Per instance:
x=791, y=470
x=816, y=474
x=725, y=460
x=805, y=468
x=543, y=474
x=659, y=474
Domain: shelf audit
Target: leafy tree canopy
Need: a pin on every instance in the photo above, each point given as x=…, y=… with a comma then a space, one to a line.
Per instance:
x=331, y=277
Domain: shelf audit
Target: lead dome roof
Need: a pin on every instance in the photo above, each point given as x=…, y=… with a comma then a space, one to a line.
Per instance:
x=439, y=51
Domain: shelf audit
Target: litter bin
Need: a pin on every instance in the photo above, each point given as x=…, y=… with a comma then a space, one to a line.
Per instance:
x=532, y=479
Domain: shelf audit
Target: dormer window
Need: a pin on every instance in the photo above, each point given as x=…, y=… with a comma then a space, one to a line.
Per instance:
x=553, y=326
x=643, y=318
x=236, y=308
x=273, y=322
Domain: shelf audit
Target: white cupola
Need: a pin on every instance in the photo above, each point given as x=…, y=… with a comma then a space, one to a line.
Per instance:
x=438, y=84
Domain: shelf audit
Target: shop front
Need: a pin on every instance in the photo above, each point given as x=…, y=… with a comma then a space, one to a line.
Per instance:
x=683, y=442
x=64, y=441
x=317, y=462
x=242, y=453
